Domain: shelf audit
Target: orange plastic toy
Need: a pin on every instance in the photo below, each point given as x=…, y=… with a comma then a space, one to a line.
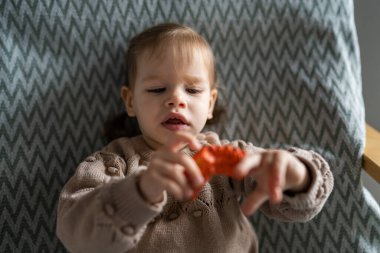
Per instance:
x=214, y=160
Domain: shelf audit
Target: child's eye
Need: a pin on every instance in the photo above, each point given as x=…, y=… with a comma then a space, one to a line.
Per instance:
x=193, y=91
x=156, y=90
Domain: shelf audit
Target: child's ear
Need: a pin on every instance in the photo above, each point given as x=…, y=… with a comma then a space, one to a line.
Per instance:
x=127, y=96
x=213, y=97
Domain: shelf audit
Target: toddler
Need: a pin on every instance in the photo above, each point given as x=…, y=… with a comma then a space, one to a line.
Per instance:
x=135, y=195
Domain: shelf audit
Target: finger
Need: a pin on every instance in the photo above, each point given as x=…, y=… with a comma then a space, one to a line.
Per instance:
x=193, y=173
x=253, y=202
x=264, y=160
x=277, y=177
x=264, y=164
x=171, y=185
x=247, y=164
x=180, y=140
x=267, y=159
x=174, y=189
x=190, y=168
x=174, y=172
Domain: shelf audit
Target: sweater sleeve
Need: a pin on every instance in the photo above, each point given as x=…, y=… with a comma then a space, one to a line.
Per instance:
x=100, y=208
x=302, y=207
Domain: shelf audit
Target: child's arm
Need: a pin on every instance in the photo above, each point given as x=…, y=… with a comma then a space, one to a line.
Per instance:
x=100, y=209
x=303, y=176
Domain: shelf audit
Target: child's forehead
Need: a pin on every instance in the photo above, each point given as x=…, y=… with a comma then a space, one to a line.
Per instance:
x=176, y=60
x=182, y=58
x=179, y=54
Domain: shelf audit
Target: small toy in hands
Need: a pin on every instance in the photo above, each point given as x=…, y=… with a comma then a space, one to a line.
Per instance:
x=213, y=160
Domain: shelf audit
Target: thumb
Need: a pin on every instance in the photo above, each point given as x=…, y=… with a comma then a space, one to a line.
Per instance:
x=253, y=202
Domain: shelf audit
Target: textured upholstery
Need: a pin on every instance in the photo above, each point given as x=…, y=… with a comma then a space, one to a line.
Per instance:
x=289, y=71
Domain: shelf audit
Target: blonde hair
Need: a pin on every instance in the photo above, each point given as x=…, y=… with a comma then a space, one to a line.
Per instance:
x=182, y=40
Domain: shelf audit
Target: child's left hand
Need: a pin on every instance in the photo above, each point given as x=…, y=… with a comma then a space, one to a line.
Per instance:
x=274, y=171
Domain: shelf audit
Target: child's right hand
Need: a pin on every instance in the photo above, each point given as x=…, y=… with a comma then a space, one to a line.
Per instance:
x=172, y=171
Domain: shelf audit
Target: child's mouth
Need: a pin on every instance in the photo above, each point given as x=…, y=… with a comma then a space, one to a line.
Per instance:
x=175, y=121
x=175, y=124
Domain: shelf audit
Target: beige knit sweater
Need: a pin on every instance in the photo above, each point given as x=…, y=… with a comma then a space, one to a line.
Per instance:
x=100, y=208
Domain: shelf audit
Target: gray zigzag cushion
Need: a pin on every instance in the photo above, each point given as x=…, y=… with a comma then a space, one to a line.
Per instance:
x=289, y=70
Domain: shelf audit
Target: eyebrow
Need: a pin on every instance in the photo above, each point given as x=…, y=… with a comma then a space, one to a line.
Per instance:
x=150, y=78
x=194, y=79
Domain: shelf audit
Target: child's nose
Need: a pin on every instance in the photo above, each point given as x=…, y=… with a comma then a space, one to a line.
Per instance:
x=176, y=99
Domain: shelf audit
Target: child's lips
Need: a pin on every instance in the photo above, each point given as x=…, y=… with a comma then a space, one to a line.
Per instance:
x=175, y=123
x=175, y=127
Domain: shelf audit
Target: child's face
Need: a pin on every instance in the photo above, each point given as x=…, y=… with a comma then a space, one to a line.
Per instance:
x=169, y=97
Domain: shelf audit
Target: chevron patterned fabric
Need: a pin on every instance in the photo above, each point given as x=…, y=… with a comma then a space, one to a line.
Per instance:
x=289, y=72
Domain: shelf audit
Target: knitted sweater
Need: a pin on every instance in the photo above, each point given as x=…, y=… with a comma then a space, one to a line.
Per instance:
x=101, y=210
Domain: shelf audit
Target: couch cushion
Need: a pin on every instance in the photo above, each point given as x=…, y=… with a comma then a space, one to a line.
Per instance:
x=289, y=71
